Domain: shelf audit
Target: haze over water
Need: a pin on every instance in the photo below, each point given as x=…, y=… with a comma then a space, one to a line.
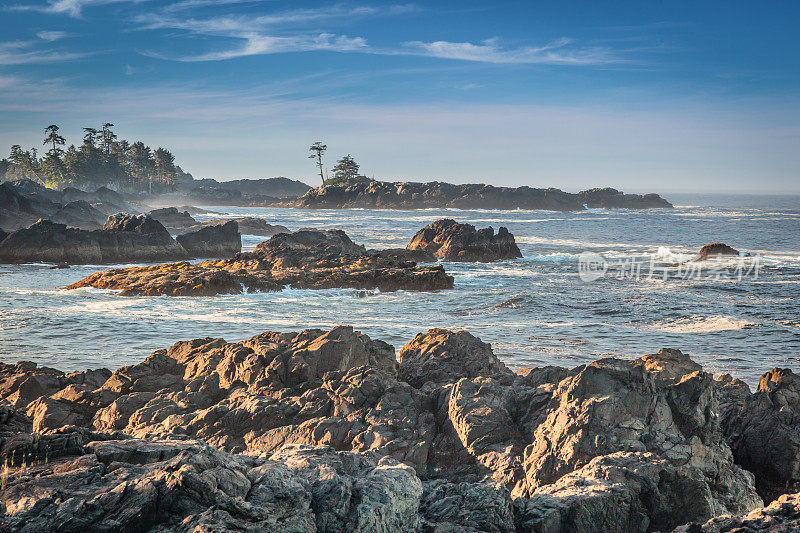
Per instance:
x=535, y=311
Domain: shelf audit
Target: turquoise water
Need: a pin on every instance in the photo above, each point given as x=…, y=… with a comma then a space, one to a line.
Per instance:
x=536, y=310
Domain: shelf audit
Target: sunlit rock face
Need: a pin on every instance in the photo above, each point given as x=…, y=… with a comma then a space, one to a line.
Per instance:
x=327, y=431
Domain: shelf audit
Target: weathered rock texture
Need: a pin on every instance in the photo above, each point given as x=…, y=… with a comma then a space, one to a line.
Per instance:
x=764, y=433
x=781, y=516
x=304, y=259
x=221, y=240
x=406, y=195
x=123, y=238
x=329, y=433
x=450, y=241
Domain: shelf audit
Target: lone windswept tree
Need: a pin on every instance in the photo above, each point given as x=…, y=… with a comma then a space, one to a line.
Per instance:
x=52, y=137
x=317, y=149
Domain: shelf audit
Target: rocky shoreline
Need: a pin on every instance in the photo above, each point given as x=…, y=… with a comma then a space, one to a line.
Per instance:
x=329, y=431
x=406, y=195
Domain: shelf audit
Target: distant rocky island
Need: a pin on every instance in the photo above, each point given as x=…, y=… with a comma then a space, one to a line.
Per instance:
x=433, y=195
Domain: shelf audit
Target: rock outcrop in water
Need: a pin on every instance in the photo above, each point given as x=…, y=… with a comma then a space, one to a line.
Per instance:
x=123, y=238
x=310, y=259
x=716, y=249
x=325, y=431
x=448, y=240
x=221, y=240
x=406, y=195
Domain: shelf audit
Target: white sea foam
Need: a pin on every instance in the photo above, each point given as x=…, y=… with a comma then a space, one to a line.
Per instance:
x=701, y=324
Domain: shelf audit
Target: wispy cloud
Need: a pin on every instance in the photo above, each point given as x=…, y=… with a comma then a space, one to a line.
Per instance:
x=236, y=24
x=559, y=52
x=25, y=53
x=72, y=8
x=264, y=44
x=52, y=36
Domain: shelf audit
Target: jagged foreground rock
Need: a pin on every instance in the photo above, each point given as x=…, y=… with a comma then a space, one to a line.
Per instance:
x=326, y=431
x=309, y=259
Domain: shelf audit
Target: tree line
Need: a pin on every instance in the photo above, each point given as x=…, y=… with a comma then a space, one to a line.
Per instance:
x=100, y=160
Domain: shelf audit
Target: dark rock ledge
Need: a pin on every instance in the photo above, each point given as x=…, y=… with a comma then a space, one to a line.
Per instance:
x=326, y=431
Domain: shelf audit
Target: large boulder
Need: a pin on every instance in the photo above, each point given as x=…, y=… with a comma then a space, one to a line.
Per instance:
x=442, y=356
x=123, y=238
x=450, y=241
x=222, y=240
x=292, y=249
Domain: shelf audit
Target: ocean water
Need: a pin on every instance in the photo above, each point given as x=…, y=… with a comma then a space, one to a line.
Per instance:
x=534, y=311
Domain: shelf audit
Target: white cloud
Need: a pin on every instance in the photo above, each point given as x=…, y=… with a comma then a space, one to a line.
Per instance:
x=265, y=44
x=72, y=8
x=25, y=53
x=557, y=52
x=231, y=25
x=51, y=36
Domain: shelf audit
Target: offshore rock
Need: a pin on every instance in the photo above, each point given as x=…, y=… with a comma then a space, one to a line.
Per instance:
x=450, y=241
x=123, y=238
x=309, y=259
x=408, y=195
x=608, y=198
x=716, y=249
x=221, y=240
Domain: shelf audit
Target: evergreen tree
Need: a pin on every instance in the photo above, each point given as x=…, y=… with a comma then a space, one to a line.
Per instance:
x=346, y=172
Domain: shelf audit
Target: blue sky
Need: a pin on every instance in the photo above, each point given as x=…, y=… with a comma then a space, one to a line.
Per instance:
x=644, y=96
